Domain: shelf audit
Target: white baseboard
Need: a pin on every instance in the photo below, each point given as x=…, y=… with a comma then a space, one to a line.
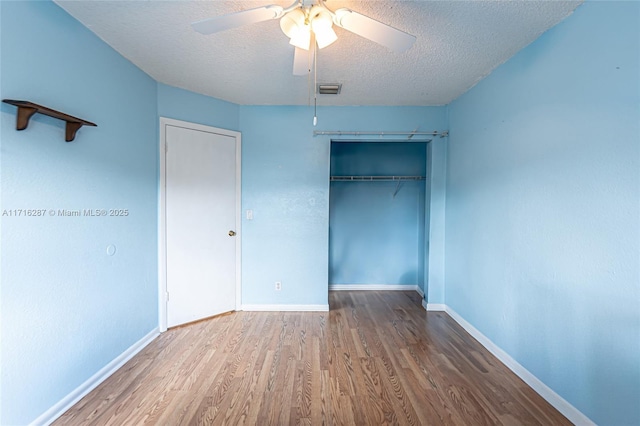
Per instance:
x=420, y=292
x=434, y=306
x=77, y=394
x=568, y=410
x=286, y=308
x=386, y=287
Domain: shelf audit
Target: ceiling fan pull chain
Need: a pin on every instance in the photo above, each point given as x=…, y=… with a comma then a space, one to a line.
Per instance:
x=315, y=84
x=309, y=78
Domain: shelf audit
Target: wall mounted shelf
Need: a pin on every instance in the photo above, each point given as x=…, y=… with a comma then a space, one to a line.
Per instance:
x=26, y=110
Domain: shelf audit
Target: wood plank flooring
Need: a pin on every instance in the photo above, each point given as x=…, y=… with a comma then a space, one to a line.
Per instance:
x=376, y=358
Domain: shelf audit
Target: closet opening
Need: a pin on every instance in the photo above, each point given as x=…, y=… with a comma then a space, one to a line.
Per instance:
x=377, y=215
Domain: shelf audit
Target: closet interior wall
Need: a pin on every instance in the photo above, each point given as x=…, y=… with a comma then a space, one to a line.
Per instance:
x=377, y=224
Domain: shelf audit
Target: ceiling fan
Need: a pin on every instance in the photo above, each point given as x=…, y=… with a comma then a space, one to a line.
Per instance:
x=309, y=23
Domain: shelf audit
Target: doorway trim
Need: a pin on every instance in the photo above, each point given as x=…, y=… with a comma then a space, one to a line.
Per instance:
x=162, y=212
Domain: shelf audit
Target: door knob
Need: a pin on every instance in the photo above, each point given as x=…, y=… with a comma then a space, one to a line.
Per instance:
x=232, y=233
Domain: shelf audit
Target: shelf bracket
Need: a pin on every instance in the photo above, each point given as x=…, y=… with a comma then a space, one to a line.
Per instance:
x=24, y=114
x=70, y=130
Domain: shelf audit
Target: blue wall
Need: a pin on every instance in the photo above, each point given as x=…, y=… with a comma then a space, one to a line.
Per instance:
x=184, y=105
x=542, y=214
x=285, y=182
x=435, y=221
x=68, y=308
x=376, y=229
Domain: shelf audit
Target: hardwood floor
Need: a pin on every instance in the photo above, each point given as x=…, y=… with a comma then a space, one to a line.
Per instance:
x=376, y=358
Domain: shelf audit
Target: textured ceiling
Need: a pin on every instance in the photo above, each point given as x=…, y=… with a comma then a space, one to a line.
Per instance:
x=458, y=43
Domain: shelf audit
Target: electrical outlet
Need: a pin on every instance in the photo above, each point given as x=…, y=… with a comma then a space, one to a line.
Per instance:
x=278, y=286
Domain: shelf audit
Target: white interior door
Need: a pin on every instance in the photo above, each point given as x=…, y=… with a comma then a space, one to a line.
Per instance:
x=201, y=201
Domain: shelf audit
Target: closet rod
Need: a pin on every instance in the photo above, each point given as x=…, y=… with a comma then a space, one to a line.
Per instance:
x=443, y=134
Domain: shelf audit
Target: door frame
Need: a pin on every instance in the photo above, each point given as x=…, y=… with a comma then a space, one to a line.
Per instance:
x=162, y=212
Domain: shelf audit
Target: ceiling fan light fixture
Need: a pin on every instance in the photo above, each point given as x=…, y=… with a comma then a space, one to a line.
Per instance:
x=299, y=24
x=292, y=22
x=296, y=26
x=320, y=19
x=302, y=38
x=325, y=37
x=322, y=24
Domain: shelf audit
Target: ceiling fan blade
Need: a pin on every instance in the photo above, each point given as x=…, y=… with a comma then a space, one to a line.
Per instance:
x=237, y=19
x=373, y=30
x=302, y=61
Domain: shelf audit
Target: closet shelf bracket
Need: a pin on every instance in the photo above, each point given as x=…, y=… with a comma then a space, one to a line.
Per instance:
x=397, y=188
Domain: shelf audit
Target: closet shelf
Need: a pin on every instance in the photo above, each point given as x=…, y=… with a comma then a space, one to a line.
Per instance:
x=375, y=178
x=26, y=109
